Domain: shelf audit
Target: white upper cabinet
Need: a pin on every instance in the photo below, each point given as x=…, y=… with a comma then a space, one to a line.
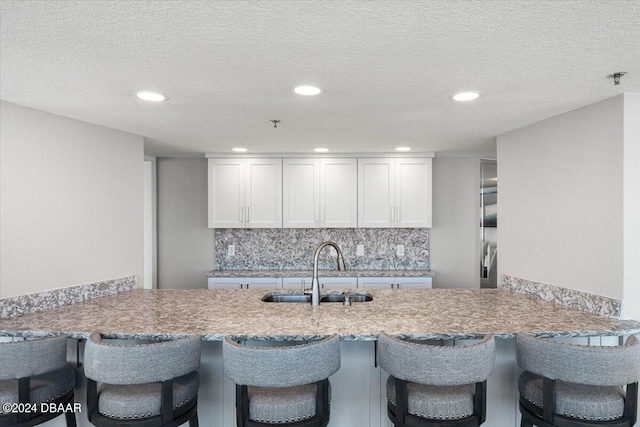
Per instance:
x=394, y=192
x=245, y=193
x=320, y=193
x=413, y=192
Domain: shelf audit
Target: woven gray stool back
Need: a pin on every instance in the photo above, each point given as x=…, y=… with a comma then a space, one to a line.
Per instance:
x=145, y=384
x=36, y=371
x=282, y=385
x=577, y=385
x=434, y=385
x=437, y=365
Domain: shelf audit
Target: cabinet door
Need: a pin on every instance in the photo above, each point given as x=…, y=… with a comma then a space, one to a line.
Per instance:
x=225, y=282
x=262, y=283
x=263, y=193
x=244, y=282
x=338, y=193
x=413, y=282
x=301, y=199
x=296, y=283
x=376, y=282
x=413, y=192
x=226, y=193
x=375, y=192
x=327, y=283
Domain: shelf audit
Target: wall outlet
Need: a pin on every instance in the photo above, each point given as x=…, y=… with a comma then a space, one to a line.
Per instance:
x=360, y=250
x=400, y=250
x=231, y=250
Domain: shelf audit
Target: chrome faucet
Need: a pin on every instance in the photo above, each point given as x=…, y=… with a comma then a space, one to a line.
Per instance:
x=315, y=285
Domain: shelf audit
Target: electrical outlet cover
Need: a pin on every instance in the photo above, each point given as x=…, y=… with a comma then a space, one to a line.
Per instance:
x=231, y=250
x=400, y=250
x=360, y=250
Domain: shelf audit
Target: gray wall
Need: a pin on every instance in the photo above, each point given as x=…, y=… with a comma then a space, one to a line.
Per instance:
x=561, y=200
x=71, y=194
x=455, y=236
x=185, y=244
x=631, y=304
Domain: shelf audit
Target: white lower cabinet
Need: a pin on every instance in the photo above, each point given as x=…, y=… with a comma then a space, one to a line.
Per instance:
x=244, y=283
x=326, y=283
x=296, y=283
x=394, y=282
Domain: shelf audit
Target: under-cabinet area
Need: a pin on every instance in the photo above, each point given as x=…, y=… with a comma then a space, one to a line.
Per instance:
x=323, y=192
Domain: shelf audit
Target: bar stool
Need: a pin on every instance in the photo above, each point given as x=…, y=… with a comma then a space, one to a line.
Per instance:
x=36, y=372
x=288, y=386
x=565, y=385
x=143, y=385
x=436, y=386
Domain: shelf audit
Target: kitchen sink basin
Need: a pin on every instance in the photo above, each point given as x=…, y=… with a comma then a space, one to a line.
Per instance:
x=352, y=298
x=332, y=297
x=286, y=298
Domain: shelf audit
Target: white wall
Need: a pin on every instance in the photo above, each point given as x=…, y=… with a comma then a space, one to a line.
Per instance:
x=455, y=237
x=631, y=304
x=71, y=198
x=561, y=200
x=185, y=244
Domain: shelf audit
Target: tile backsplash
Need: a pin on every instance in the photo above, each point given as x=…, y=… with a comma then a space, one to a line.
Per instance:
x=293, y=248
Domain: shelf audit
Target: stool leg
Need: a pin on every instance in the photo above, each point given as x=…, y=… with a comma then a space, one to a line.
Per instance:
x=193, y=422
x=71, y=419
x=525, y=423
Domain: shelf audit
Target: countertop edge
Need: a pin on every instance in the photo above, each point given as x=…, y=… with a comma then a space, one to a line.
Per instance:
x=310, y=337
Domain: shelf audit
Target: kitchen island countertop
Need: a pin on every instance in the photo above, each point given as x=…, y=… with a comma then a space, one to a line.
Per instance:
x=411, y=313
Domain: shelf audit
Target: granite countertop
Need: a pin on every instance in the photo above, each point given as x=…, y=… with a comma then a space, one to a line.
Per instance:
x=411, y=313
x=322, y=273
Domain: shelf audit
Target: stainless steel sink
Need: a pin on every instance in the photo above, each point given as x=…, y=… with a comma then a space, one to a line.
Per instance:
x=286, y=298
x=352, y=297
x=332, y=297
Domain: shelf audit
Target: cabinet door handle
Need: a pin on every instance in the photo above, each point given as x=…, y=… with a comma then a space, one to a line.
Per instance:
x=397, y=213
x=315, y=215
x=322, y=214
x=241, y=286
x=247, y=286
x=241, y=214
x=391, y=214
x=322, y=286
x=392, y=286
x=397, y=286
x=247, y=214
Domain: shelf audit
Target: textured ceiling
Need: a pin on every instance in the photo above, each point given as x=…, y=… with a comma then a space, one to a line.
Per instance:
x=388, y=69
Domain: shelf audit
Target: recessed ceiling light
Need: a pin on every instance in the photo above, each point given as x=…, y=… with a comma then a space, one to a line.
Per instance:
x=239, y=149
x=150, y=96
x=307, y=90
x=466, y=96
x=403, y=148
x=321, y=150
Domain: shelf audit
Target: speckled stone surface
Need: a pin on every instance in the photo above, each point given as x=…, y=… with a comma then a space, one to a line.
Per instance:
x=322, y=273
x=411, y=313
x=32, y=303
x=590, y=303
x=293, y=248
